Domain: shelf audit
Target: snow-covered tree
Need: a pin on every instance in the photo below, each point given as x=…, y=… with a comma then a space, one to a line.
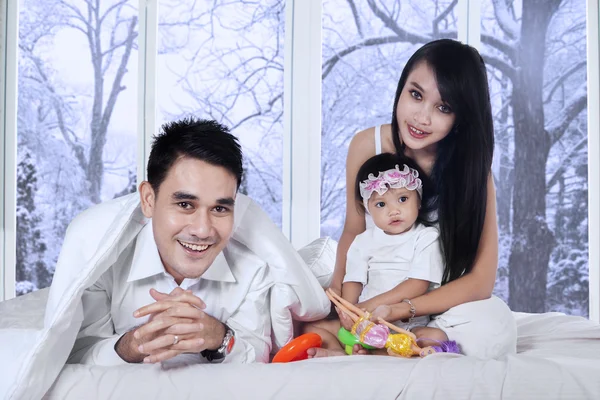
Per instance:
x=32, y=272
x=539, y=48
x=65, y=124
x=226, y=60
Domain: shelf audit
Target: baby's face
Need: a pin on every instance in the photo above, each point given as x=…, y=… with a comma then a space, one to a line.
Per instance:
x=395, y=211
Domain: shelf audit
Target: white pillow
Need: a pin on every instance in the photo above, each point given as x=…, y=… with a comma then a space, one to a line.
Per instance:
x=319, y=255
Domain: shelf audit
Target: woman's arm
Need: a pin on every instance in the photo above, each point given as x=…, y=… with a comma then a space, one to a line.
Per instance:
x=408, y=289
x=476, y=285
x=351, y=291
x=362, y=147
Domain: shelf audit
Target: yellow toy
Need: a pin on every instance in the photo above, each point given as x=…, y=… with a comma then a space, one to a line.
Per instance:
x=400, y=344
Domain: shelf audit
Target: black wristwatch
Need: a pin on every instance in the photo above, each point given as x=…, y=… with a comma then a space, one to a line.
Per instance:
x=218, y=355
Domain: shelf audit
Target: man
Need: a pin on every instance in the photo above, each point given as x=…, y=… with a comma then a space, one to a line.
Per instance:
x=211, y=277
x=182, y=287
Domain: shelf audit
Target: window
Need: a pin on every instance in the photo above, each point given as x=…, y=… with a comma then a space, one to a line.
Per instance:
x=365, y=47
x=224, y=61
x=536, y=56
x=77, y=116
x=75, y=134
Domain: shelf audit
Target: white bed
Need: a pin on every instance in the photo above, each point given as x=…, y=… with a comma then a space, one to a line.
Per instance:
x=558, y=358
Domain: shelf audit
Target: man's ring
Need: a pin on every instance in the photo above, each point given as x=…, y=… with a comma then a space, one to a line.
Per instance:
x=175, y=340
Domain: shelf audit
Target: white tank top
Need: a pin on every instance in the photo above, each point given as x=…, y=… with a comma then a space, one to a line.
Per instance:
x=378, y=139
x=377, y=136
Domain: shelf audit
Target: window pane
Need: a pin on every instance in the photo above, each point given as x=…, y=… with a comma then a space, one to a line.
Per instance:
x=223, y=60
x=365, y=47
x=536, y=55
x=76, y=121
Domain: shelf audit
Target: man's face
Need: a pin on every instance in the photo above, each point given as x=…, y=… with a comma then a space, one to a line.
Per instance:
x=192, y=215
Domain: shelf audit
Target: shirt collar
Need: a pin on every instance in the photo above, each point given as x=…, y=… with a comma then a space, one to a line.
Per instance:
x=383, y=238
x=146, y=260
x=219, y=270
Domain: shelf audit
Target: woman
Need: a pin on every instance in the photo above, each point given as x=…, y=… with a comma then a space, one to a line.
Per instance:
x=442, y=119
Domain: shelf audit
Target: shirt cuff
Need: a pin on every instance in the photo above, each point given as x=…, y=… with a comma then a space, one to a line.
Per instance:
x=103, y=353
x=424, y=276
x=357, y=279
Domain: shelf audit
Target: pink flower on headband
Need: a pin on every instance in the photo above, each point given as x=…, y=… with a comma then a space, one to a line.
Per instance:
x=394, y=174
x=391, y=179
x=374, y=185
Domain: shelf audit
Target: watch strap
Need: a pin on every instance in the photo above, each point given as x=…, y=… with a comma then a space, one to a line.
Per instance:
x=218, y=355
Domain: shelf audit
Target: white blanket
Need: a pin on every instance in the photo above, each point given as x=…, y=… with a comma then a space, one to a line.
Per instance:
x=558, y=358
x=32, y=357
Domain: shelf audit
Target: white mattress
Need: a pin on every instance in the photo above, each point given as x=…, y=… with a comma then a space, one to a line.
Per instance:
x=558, y=358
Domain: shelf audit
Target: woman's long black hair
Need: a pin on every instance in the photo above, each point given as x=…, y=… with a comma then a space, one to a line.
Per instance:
x=464, y=157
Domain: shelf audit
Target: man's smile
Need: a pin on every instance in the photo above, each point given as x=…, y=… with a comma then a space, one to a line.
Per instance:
x=195, y=248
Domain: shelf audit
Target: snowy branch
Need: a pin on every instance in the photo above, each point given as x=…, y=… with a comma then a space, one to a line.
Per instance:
x=557, y=127
x=505, y=19
x=117, y=88
x=58, y=109
x=332, y=61
x=507, y=48
x=118, y=6
x=442, y=16
x=501, y=65
x=356, y=17
x=564, y=77
x=392, y=25
x=565, y=163
x=78, y=15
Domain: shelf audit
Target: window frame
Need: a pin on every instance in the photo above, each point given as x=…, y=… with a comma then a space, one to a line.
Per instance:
x=302, y=122
x=9, y=28
x=147, y=82
x=301, y=208
x=593, y=113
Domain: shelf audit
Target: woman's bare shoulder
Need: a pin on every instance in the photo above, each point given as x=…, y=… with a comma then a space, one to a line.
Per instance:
x=362, y=145
x=364, y=137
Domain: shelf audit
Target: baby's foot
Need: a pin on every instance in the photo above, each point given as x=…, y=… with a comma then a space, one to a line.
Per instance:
x=318, y=352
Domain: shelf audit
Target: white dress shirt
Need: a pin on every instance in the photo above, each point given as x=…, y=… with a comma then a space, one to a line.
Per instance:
x=235, y=289
x=380, y=261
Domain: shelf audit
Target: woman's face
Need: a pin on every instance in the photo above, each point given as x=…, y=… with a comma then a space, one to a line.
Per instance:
x=423, y=117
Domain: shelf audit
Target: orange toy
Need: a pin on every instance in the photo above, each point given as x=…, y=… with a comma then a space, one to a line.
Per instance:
x=296, y=349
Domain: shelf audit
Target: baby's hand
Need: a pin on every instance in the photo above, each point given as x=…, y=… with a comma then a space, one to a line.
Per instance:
x=345, y=320
x=382, y=312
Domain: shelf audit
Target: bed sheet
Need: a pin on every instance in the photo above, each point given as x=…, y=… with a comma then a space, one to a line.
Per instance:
x=558, y=357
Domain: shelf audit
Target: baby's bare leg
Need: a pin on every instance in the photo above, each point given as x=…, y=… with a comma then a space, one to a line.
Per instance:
x=327, y=329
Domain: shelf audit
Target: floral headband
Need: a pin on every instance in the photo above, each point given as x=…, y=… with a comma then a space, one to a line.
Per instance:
x=391, y=179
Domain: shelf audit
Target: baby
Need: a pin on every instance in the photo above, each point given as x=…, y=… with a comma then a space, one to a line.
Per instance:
x=397, y=258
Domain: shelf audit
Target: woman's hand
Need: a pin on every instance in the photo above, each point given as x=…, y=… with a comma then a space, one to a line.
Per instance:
x=367, y=306
x=391, y=313
x=383, y=312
